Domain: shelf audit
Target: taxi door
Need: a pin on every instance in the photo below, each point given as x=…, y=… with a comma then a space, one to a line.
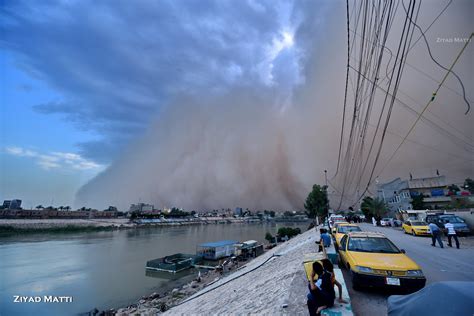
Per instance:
x=343, y=251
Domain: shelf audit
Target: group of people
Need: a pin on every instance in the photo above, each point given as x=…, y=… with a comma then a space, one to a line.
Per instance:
x=436, y=234
x=322, y=281
x=321, y=291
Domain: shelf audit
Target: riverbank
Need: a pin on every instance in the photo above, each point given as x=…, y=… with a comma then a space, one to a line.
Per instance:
x=10, y=227
x=16, y=226
x=273, y=283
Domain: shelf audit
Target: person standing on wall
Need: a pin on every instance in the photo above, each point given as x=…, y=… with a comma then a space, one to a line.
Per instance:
x=451, y=234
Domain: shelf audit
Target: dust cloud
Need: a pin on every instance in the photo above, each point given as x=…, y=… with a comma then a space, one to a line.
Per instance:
x=244, y=147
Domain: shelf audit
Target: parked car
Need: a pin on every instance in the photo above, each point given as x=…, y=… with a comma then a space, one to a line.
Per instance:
x=373, y=260
x=334, y=227
x=397, y=223
x=386, y=221
x=342, y=229
x=335, y=218
x=459, y=224
x=416, y=228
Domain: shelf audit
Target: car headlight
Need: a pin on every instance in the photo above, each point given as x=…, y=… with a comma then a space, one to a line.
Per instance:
x=364, y=269
x=414, y=273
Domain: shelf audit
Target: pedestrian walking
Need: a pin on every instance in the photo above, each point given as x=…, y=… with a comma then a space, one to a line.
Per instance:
x=374, y=222
x=451, y=234
x=435, y=235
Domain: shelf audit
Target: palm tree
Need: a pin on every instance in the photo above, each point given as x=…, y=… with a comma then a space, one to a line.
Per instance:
x=377, y=208
x=67, y=208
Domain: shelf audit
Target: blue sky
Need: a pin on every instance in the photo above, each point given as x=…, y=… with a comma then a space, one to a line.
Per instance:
x=30, y=167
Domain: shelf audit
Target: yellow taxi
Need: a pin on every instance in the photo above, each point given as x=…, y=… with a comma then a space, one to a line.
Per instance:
x=416, y=228
x=342, y=229
x=374, y=261
x=334, y=226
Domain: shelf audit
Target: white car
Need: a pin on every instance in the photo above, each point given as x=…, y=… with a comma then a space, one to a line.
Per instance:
x=386, y=221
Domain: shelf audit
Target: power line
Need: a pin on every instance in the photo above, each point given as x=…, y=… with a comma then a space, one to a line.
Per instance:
x=429, y=102
x=425, y=119
x=437, y=63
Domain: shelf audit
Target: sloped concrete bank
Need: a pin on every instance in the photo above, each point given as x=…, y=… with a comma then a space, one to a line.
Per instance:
x=273, y=283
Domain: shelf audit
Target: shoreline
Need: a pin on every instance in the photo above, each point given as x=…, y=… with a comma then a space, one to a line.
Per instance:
x=157, y=303
x=12, y=227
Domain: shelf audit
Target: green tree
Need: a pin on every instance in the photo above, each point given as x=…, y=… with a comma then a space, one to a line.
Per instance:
x=378, y=208
x=373, y=207
x=269, y=237
x=365, y=206
x=317, y=202
x=469, y=185
x=288, y=231
x=417, y=202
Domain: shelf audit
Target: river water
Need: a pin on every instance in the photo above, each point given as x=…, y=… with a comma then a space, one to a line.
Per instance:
x=101, y=269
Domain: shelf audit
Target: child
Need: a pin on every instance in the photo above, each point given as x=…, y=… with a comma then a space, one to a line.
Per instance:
x=321, y=294
x=328, y=267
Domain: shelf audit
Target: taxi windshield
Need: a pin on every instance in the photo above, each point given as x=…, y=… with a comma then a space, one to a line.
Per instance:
x=419, y=223
x=372, y=244
x=348, y=229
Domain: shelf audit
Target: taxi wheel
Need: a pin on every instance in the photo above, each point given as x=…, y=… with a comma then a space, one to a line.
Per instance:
x=404, y=231
x=340, y=264
x=355, y=283
x=413, y=233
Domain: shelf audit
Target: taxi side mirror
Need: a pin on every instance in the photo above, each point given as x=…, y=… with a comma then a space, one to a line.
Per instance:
x=403, y=251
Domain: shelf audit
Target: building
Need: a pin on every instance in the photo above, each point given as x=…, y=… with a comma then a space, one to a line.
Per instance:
x=238, y=211
x=433, y=189
x=141, y=207
x=398, y=193
x=12, y=204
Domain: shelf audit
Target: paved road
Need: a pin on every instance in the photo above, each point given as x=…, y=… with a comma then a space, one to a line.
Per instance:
x=447, y=264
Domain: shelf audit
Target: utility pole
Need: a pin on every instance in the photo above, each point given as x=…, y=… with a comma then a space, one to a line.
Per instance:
x=326, y=177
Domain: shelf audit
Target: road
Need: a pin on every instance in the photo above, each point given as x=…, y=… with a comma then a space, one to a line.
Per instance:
x=447, y=264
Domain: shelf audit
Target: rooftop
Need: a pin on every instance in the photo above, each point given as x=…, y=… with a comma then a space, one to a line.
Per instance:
x=219, y=243
x=432, y=182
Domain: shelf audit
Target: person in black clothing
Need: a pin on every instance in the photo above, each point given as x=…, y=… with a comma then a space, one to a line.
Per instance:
x=322, y=293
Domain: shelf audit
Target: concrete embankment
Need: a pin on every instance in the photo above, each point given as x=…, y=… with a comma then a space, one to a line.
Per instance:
x=273, y=283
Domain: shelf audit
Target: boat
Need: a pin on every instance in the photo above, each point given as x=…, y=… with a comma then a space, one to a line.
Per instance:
x=175, y=263
x=216, y=250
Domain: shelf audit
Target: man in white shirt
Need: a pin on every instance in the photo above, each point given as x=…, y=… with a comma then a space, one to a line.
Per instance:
x=451, y=234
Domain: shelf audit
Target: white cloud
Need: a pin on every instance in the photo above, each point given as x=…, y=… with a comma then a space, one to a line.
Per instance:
x=55, y=160
x=18, y=151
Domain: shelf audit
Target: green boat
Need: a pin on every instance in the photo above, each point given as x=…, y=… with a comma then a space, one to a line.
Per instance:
x=174, y=263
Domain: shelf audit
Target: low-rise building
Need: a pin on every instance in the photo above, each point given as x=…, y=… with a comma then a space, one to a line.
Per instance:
x=398, y=193
x=12, y=204
x=433, y=189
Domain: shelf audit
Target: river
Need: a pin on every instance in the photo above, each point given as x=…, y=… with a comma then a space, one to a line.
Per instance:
x=101, y=270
